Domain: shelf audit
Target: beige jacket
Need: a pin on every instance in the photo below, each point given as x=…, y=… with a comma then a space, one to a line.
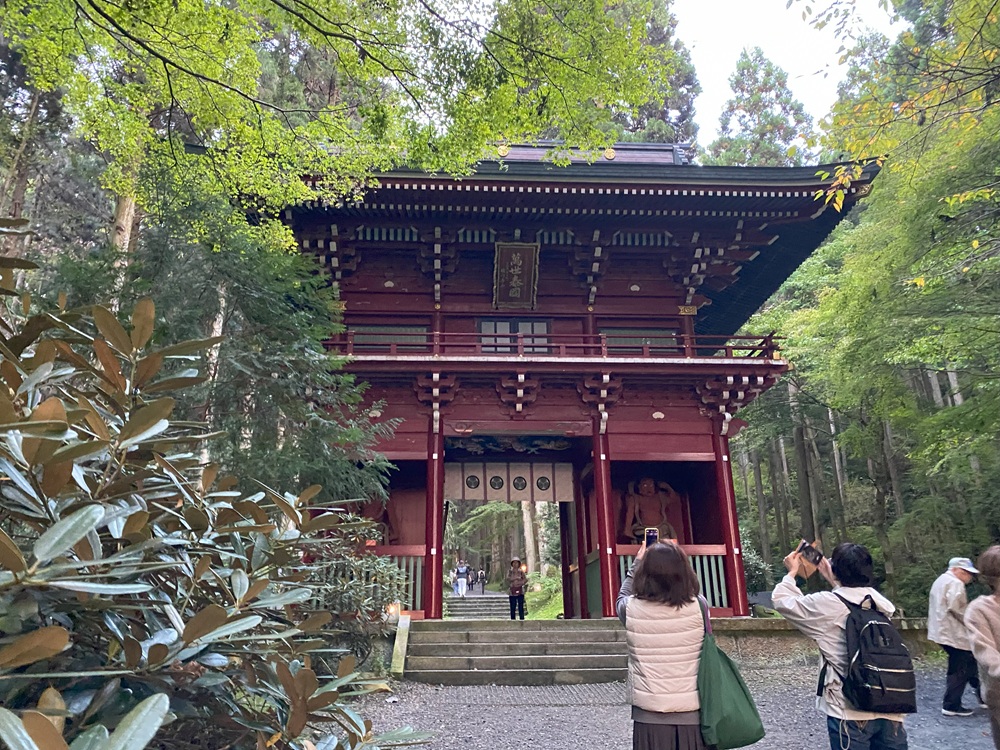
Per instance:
x=946, y=613
x=982, y=618
x=664, y=648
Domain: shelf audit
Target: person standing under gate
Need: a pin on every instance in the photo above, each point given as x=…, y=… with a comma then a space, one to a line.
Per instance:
x=463, y=571
x=665, y=622
x=517, y=579
x=946, y=627
x=982, y=617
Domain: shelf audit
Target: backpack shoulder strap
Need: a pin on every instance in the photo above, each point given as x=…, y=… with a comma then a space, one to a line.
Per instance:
x=850, y=605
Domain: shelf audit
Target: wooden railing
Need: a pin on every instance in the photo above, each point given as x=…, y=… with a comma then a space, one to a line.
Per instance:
x=707, y=561
x=410, y=560
x=552, y=345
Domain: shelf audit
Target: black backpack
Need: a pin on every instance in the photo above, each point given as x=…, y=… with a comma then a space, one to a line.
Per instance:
x=879, y=675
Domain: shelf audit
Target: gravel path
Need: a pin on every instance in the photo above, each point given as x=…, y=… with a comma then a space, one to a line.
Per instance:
x=595, y=717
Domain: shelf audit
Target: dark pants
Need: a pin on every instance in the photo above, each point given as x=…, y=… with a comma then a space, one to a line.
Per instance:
x=517, y=602
x=876, y=734
x=962, y=671
x=995, y=725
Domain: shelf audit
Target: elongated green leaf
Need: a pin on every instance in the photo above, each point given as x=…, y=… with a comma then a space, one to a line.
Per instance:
x=10, y=555
x=93, y=739
x=146, y=417
x=240, y=584
x=12, y=732
x=231, y=628
x=67, y=532
x=34, y=646
x=293, y=596
x=109, y=589
x=142, y=322
x=111, y=329
x=140, y=725
x=147, y=434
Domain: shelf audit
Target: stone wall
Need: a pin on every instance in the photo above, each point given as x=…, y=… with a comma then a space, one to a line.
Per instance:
x=763, y=642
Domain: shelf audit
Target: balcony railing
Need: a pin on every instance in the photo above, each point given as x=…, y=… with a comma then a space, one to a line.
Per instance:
x=420, y=345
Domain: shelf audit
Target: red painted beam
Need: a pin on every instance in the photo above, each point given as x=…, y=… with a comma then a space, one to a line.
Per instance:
x=434, y=530
x=605, y=523
x=735, y=579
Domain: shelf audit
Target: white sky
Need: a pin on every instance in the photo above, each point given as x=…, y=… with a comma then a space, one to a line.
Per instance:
x=716, y=31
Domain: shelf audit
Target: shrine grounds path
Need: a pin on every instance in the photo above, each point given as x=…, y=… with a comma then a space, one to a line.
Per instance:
x=595, y=717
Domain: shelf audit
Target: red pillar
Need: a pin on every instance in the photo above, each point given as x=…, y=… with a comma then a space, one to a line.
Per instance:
x=605, y=523
x=736, y=586
x=564, y=558
x=581, y=543
x=434, y=530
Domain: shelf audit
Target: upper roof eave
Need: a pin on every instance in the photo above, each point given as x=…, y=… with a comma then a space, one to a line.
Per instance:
x=645, y=163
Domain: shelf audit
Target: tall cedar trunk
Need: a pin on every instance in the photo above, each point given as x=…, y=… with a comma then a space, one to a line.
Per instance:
x=786, y=487
x=530, y=547
x=838, y=464
x=742, y=461
x=935, y=384
x=538, y=524
x=15, y=181
x=817, y=486
x=778, y=498
x=122, y=238
x=958, y=399
x=808, y=527
x=890, y=461
x=765, y=538
x=880, y=526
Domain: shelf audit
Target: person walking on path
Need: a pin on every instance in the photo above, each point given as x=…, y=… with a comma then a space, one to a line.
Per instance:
x=982, y=618
x=946, y=627
x=823, y=617
x=517, y=579
x=462, y=571
x=664, y=627
x=482, y=580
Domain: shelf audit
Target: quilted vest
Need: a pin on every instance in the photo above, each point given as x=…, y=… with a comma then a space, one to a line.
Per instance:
x=664, y=647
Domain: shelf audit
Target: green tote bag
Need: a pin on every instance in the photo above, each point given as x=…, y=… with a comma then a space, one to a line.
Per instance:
x=729, y=717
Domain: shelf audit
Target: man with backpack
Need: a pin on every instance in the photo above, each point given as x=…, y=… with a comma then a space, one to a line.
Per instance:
x=866, y=680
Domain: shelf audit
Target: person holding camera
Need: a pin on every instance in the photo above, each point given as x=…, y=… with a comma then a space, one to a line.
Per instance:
x=823, y=617
x=982, y=618
x=946, y=628
x=665, y=625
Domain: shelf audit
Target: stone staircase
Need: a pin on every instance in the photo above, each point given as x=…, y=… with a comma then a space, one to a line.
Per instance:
x=505, y=652
x=477, y=607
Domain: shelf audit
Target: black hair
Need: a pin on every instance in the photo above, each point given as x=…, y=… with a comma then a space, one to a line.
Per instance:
x=852, y=565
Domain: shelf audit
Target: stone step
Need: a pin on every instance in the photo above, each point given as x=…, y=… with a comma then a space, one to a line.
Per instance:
x=610, y=623
x=518, y=676
x=464, y=663
x=509, y=635
x=547, y=648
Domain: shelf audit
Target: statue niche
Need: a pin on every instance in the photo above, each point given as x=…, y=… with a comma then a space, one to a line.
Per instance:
x=647, y=504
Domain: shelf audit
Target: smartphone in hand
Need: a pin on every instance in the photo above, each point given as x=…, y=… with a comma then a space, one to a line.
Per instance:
x=652, y=536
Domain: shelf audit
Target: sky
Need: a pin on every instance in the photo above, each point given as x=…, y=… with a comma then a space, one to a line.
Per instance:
x=716, y=31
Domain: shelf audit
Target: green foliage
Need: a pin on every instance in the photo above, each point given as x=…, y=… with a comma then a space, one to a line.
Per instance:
x=135, y=574
x=763, y=125
x=430, y=85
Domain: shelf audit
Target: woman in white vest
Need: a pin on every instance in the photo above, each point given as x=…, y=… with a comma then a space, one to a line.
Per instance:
x=662, y=613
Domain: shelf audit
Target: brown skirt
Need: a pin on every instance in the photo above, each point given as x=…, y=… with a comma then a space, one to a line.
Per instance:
x=667, y=737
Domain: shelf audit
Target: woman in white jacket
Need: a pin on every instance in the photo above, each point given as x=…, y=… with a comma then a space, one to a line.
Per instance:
x=665, y=626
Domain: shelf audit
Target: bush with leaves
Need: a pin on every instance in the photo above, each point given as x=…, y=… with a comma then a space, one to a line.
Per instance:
x=137, y=585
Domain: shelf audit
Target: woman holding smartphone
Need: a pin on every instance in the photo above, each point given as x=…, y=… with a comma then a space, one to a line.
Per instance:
x=665, y=621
